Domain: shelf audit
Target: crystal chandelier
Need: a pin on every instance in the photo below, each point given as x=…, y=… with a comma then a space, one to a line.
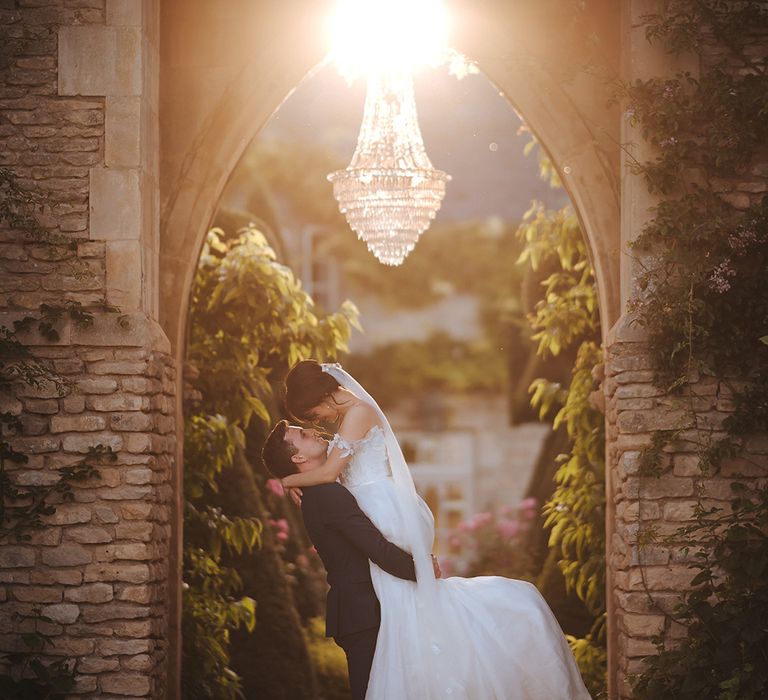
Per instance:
x=389, y=192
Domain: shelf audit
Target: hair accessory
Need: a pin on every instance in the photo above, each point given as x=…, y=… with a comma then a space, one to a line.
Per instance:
x=328, y=366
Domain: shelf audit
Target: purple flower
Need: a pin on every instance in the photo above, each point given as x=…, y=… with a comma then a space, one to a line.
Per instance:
x=742, y=239
x=718, y=280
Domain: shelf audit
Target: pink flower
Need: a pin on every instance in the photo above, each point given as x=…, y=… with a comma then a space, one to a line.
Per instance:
x=276, y=487
x=454, y=542
x=280, y=525
x=282, y=536
x=529, y=503
x=479, y=519
x=508, y=528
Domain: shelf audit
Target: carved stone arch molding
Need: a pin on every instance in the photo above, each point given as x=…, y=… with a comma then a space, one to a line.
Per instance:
x=227, y=67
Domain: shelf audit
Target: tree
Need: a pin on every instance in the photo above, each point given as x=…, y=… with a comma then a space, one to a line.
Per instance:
x=249, y=322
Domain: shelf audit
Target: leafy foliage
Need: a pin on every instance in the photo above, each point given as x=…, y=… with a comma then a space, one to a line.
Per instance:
x=724, y=655
x=440, y=363
x=249, y=322
x=329, y=662
x=19, y=207
x=568, y=309
x=576, y=512
x=704, y=255
x=22, y=508
x=30, y=676
x=568, y=316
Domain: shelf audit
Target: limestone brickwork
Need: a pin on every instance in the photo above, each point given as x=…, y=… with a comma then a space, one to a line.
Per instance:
x=99, y=569
x=78, y=125
x=129, y=116
x=647, y=577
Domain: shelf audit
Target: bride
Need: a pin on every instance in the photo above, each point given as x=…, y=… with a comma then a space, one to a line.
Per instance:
x=483, y=638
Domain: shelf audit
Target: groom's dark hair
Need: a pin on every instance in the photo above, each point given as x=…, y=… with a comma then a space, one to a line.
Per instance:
x=277, y=452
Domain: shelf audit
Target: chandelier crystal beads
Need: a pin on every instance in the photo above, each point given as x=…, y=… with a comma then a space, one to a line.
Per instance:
x=389, y=192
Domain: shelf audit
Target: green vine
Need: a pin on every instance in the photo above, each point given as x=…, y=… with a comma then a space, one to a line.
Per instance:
x=567, y=316
x=24, y=509
x=703, y=301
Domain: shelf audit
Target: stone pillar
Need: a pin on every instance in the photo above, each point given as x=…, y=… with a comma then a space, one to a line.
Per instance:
x=646, y=579
x=79, y=105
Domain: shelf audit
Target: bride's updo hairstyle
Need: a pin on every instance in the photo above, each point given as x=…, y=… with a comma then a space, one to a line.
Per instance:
x=307, y=386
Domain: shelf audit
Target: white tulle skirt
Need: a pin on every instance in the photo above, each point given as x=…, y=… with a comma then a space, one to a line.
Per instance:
x=497, y=637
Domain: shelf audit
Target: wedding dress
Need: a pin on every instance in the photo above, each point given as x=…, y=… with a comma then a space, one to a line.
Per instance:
x=483, y=638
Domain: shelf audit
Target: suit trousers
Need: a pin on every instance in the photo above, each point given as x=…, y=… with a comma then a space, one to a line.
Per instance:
x=359, y=648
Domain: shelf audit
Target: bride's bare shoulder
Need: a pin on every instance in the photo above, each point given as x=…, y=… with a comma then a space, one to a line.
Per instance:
x=358, y=420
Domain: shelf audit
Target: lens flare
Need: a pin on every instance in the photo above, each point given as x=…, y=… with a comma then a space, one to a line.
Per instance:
x=367, y=35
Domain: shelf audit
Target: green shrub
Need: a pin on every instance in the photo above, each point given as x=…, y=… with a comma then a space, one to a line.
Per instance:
x=329, y=662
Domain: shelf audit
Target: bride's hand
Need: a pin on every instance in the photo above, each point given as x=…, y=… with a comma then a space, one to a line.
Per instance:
x=295, y=494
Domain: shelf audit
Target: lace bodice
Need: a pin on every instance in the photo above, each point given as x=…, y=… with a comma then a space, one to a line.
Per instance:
x=369, y=457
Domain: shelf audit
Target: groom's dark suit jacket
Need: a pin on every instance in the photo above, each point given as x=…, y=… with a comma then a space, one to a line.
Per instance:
x=346, y=539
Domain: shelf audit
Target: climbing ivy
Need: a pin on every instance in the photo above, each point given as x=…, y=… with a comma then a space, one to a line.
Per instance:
x=703, y=300
x=24, y=509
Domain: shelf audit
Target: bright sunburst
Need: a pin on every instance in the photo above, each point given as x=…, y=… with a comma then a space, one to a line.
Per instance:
x=392, y=34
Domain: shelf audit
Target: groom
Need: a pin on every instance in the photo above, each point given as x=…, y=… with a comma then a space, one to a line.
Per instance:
x=345, y=539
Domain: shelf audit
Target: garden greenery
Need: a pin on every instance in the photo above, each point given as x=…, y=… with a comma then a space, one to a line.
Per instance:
x=703, y=301
x=250, y=321
x=567, y=315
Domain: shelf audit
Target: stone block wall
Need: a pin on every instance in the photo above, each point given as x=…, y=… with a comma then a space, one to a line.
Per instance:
x=78, y=125
x=99, y=569
x=648, y=577
x=79, y=120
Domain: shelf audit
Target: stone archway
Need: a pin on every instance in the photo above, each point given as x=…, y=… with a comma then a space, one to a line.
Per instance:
x=130, y=115
x=214, y=100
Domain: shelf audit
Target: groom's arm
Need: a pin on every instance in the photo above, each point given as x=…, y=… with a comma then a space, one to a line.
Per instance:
x=343, y=514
